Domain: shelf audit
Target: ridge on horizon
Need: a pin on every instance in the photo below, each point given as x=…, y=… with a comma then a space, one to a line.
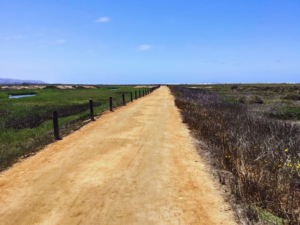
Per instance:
x=18, y=81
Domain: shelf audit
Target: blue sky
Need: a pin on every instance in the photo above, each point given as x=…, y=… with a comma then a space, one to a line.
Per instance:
x=143, y=41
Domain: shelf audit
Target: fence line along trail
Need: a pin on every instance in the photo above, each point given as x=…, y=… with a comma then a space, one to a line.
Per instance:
x=136, y=165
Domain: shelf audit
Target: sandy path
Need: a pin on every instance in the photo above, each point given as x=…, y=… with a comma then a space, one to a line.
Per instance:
x=134, y=166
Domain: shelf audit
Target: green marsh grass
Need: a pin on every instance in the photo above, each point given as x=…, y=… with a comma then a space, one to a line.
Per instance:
x=18, y=143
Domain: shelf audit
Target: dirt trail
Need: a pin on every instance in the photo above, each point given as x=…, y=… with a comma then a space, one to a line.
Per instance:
x=134, y=166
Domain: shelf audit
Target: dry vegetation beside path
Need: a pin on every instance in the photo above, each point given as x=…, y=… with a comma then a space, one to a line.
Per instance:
x=256, y=156
x=279, y=101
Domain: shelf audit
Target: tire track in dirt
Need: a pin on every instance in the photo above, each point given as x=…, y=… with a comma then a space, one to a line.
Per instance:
x=134, y=166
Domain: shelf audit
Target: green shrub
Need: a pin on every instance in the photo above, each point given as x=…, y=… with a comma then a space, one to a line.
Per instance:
x=285, y=113
x=50, y=87
x=233, y=100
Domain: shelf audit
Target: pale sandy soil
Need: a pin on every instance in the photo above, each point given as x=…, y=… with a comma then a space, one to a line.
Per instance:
x=89, y=87
x=31, y=87
x=143, y=86
x=64, y=87
x=200, y=87
x=136, y=165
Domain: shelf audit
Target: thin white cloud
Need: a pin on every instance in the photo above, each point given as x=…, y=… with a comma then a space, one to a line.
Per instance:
x=103, y=20
x=16, y=37
x=61, y=41
x=45, y=42
x=144, y=47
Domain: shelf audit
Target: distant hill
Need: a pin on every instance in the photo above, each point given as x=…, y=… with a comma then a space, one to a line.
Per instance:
x=15, y=81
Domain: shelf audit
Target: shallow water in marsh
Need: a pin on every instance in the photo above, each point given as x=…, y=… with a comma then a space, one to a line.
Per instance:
x=20, y=96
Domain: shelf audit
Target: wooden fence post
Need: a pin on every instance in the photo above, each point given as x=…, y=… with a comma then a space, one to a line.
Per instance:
x=56, y=126
x=92, y=110
x=135, y=95
x=123, y=96
x=110, y=104
x=131, y=97
x=139, y=93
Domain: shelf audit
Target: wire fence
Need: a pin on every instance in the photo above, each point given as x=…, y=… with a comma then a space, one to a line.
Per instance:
x=39, y=126
x=35, y=120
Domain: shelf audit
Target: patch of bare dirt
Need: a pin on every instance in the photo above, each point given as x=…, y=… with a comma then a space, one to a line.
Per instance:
x=64, y=87
x=30, y=87
x=89, y=87
x=144, y=86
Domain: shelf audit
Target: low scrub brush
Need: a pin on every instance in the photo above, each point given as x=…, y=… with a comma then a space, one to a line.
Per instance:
x=262, y=154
